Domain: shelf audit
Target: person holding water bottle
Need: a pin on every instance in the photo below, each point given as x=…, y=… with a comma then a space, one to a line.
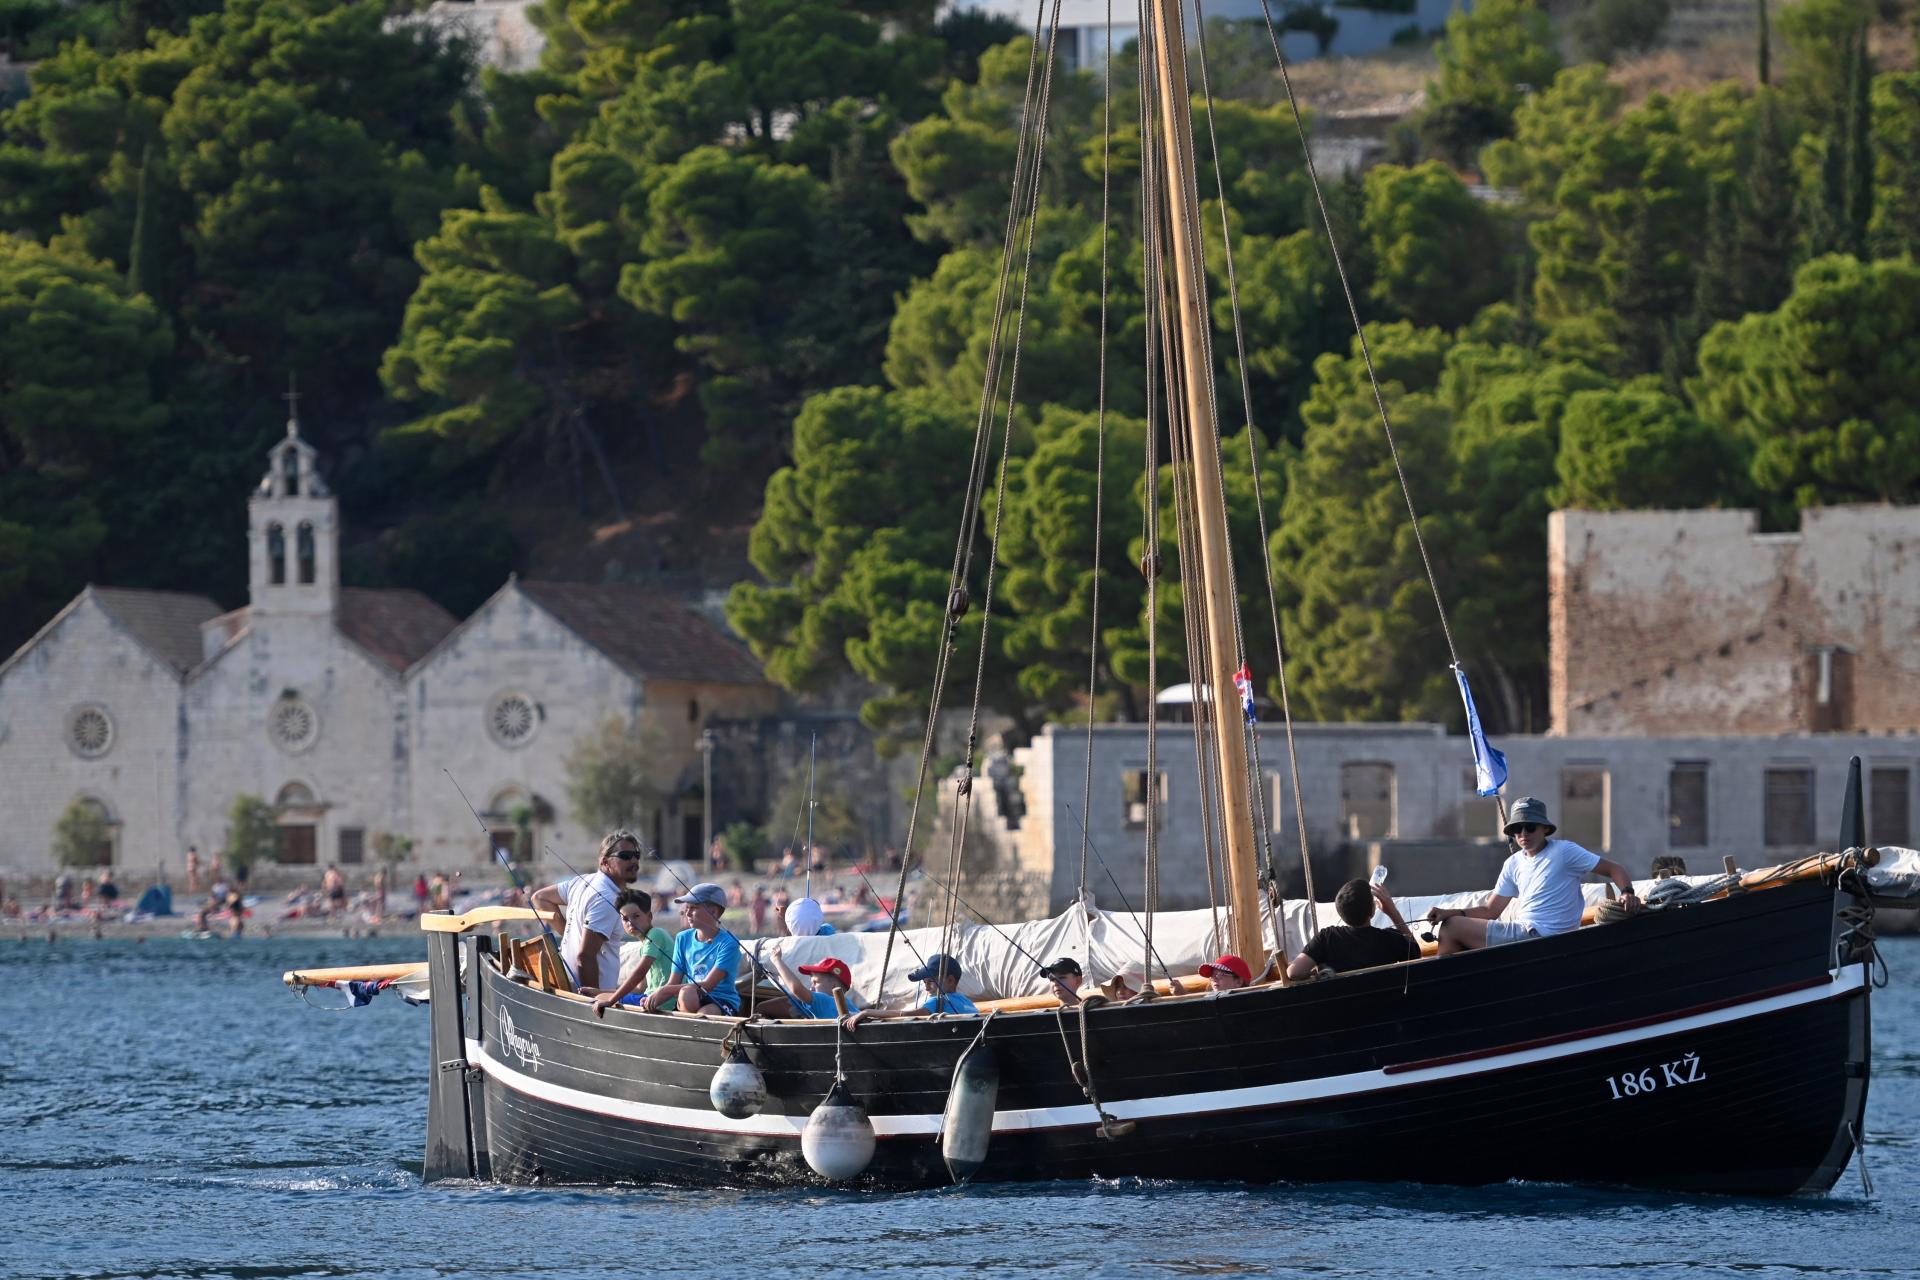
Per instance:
x=1357, y=944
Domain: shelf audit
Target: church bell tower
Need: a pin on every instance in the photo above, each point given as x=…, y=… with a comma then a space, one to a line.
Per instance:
x=293, y=533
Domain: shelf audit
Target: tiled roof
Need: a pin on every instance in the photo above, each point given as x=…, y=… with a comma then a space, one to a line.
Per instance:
x=166, y=622
x=397, y=627
x=647, y=633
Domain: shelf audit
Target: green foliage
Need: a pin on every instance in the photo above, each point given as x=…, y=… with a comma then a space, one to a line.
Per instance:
x=78, y=355
x=1824, y=388
x=1606, y=29
x=745, y=844
x=855, y=542
x=252, y=834
x=1438, y=255
x=1639, y=447
x=79, y=834
x=1896, y=146
x=1491, y=57
x=391, y=848
x=614, y=775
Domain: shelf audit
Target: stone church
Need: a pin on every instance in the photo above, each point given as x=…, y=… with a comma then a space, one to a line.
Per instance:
x=346, y=709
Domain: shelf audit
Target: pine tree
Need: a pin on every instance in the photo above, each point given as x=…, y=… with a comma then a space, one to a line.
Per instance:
x=1858, y=206
x=1766, y=226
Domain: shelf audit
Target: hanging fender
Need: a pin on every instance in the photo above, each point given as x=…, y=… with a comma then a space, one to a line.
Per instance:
x=967, y=1128
x=738, y=1089
x=838, y=1140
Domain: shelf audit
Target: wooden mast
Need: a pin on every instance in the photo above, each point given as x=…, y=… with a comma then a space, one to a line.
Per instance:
x=1190, y=319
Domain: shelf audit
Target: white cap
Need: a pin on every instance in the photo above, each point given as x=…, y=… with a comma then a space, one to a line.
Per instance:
x=803, y=918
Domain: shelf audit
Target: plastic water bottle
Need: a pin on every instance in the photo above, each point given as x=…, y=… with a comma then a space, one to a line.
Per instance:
x=1379, y=876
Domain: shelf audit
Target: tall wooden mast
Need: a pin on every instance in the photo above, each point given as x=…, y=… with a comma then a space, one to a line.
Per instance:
x=1189, y=318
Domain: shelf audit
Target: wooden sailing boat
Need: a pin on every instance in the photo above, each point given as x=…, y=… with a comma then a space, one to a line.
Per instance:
x=1720, y=1045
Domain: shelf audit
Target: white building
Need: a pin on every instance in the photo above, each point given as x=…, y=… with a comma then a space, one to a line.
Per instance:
x=347, y=708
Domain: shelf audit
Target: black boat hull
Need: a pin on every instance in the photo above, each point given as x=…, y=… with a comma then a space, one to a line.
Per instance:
x=1720, y=1048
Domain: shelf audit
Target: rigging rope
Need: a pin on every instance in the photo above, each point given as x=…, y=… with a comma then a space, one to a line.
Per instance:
x=1099, y=451
x=956, y=603
x=1360, y=334
x=1150, y=562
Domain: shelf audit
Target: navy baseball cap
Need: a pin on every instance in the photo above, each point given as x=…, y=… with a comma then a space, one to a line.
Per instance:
x=938, y=966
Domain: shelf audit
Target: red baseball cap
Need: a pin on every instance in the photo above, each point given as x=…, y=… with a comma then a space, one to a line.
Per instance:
x=1232, y=964
x=838, y=969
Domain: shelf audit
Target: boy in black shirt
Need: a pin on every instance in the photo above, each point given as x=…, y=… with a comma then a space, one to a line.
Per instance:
x=1356, y=944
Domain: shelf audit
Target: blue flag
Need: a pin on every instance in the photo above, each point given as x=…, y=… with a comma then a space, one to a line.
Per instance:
x=1489, y=762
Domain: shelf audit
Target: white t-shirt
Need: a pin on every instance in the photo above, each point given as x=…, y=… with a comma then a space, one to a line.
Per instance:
x=590, y=900
x=1545, y=886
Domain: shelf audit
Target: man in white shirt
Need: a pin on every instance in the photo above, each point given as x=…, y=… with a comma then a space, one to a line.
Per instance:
x=1542, y=878
x=591, y=944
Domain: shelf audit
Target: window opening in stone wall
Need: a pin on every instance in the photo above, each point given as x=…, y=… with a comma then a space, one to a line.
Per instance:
x=693, y=710
x=512, y=719
x=304, y=553
x=293, y=473
x=1367, y=801
x=1889, y=792
x=1687, y=805
x=1829, y=690
x=1479, y=815
x=90, y=732
x=1133, y=791
x=102, y=852
x=353, y=846
x=1789, y=809
x=1586, y=803
x=276, y=555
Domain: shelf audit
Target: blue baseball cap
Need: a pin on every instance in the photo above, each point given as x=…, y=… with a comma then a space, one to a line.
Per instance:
x=937, y=966
x=710, y=895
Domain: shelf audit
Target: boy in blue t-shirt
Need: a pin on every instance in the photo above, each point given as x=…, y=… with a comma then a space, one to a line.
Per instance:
x=705, y=958
x=940, y=977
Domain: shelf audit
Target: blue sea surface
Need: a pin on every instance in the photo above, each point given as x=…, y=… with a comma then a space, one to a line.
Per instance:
x=169, y=1109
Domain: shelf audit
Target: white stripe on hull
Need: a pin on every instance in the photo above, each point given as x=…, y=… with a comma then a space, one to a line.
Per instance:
x=1845, y=982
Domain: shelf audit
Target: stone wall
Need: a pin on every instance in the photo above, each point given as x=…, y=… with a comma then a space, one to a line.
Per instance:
x=1694, y=622
x=42, y=771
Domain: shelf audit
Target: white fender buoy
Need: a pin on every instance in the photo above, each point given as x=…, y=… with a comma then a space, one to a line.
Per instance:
x=967, y=1128
x=838, y=1139
x=738, y=1089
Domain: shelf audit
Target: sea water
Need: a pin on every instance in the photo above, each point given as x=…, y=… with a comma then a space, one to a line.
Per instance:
x=169, y=1109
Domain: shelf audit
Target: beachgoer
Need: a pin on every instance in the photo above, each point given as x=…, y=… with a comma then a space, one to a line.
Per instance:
x=193, y=869
x=440, y=893
x=333, y=888
x=422, y=892
x=736, y=894
x=1228, y=973
x=940, y=979
x=380, y=880
x=1357, y=944
x=757, y=910
x=1541, y=878
x=63, y=891
x=1065, y=976
x=590, y=945
x=107, y=891
x=656, y=952
x=705, y=958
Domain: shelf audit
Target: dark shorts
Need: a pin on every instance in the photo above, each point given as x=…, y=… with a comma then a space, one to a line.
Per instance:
x=729, y=1004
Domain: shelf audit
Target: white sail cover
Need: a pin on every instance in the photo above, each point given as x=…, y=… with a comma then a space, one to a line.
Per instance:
x=1004, y=960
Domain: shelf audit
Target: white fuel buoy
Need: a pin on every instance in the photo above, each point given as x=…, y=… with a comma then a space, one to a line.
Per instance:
x=838, y=1139
x=738, y=1089
x=968, y=1125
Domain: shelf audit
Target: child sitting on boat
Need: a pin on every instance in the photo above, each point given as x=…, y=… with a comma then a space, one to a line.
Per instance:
x=1228, y=973
x=813, y=995
x=705, y=958
x=636, y=916
x=940, y=976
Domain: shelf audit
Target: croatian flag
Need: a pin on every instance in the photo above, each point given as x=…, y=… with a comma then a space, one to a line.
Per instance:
x=1489, y=763
x=1243, y=681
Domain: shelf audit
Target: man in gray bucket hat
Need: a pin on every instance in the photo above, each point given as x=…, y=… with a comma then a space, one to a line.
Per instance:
x=1541, y=878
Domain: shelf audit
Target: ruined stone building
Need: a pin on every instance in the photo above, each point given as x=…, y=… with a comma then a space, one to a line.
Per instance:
x=1695, y=622
x=347, y=708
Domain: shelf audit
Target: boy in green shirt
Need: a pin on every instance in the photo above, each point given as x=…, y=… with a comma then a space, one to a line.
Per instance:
x=636, y=915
